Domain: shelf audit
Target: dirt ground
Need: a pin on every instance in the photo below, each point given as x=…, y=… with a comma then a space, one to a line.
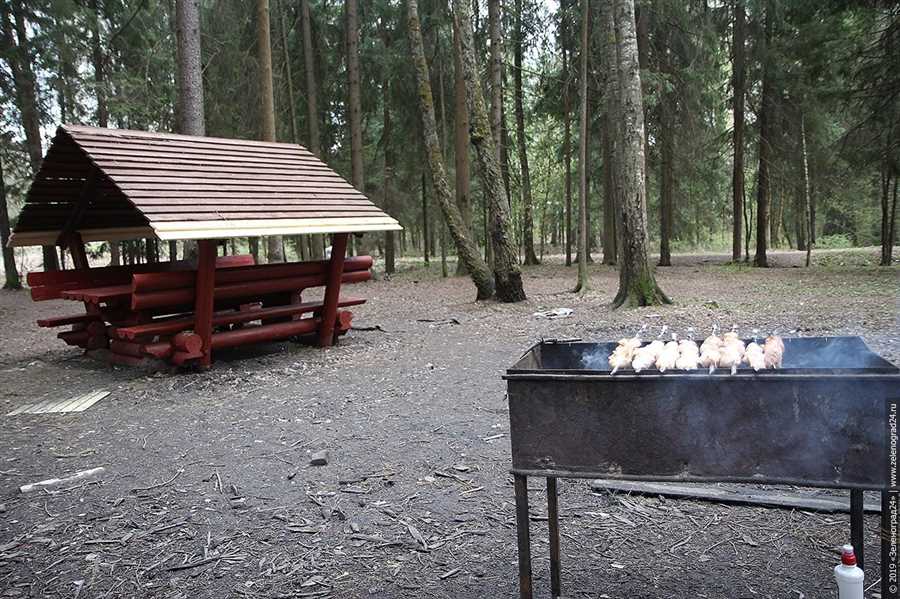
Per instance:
x=208, y=491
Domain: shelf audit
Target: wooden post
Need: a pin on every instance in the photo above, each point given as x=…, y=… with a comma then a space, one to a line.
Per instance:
x=203, y=308
x=332, y=289
x=76, y=248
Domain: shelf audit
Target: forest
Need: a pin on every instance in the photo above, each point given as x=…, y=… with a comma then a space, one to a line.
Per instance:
x=500, y=132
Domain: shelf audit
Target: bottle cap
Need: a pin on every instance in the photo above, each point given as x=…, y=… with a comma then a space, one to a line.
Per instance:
x=848, y=558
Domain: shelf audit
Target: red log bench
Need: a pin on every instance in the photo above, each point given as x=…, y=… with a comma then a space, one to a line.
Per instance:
x=51, y=284
x=267, y=293
x=104, y=281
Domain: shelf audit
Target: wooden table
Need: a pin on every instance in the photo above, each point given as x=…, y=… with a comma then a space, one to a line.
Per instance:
x=110, y=295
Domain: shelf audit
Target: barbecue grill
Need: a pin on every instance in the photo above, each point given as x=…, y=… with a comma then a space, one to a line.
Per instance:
x=822, y=420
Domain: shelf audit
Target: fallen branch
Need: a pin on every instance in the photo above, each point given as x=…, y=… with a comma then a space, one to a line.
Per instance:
x=157, y=486
x=55, y=482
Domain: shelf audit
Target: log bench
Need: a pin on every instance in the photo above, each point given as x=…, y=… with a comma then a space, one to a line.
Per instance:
x=108, y=284
x=270, y=294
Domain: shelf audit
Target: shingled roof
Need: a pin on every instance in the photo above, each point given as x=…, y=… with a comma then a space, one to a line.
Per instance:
x=113, y=184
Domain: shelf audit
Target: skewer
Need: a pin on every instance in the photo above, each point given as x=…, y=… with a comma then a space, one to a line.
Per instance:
x=773, y=351
x=668, y=356
x=732, y=350
x=624, y=352
x=711, y=350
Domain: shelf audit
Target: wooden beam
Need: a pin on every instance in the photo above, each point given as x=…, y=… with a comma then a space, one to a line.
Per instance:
x=76, y=248
x=203, y=307
x=716, y=494
x=81, y=205
x=332, y=289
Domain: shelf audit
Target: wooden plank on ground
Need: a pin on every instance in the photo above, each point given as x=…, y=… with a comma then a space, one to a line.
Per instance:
x=776, y=498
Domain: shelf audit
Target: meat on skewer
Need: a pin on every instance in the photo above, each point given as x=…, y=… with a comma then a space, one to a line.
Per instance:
x=688, y=355
x=711, y=352
x=732, y=351
x=624, y=353
x=753, y=356
x=773, y=351
x=645, y=357
x=668, y=356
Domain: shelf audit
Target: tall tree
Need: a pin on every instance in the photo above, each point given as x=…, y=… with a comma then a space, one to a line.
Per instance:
x=524, y=173
x=507, y=276
x=465, y=248
x=495, y=25
x=312, y=108
x=99, y=65
x=274, y=245
x=667, y=108
x=567, y=123
x=765, y=130
x=17, y=46
x=190, y=114
x=583, y=284
x=738, y=84
x=637, y=283
x=191, y=120
x=807, y=219
x=98, y=61
x=461, y=145
x=357, y=177
x=11, y=279
x=387, y=174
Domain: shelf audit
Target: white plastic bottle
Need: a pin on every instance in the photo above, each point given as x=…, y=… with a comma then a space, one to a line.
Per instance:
x=848, y=575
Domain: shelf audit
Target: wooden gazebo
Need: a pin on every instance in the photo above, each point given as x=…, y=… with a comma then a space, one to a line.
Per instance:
x=113, y=184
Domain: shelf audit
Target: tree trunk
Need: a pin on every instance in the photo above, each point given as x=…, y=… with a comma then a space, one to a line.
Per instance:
x=191, y=120
x=289, y=77
x=316, y=243
x=567, y=125
x=11, y=274
x=667, y=153
x=495, y=26
x=508, y=277
x=612, y=141
x=190, y=69
x=637, y=284
x=527, y=202
x=425, y=232
x=99, y=70
x=583, y=283
x=355, y=104
x=806, y=202
x=666, y=179
x=765, y=118
x=17, y=47
x=312, y=90
x=274, y=251
x=888, y=213
x=737, y=176
x=461, y=146
x=609, y=194
x=465, y=248
x=387, y=176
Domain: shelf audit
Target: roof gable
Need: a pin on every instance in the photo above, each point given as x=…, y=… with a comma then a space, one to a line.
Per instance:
x=186, y=187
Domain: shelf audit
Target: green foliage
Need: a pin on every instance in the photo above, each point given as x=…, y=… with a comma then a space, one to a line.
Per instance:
x=833, y=242
x=835, y=64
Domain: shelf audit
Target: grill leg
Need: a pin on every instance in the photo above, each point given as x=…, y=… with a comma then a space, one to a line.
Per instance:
x=553, y=524
x=857, y=526
x=523, y=536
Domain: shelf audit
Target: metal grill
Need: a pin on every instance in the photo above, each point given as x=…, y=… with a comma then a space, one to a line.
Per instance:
x=820, y=421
